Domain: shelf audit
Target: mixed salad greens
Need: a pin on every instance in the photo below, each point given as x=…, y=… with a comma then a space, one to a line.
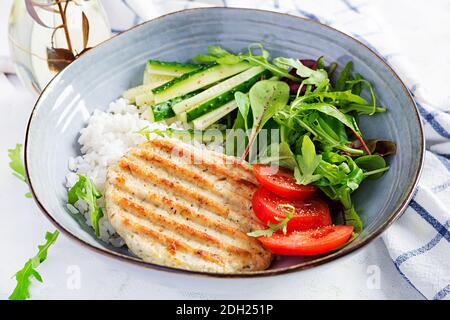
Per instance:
x=294, y=114
x=297, y=114
x=314, y=113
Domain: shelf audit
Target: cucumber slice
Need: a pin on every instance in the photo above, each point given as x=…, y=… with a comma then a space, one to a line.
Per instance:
x=170, y=121
x=197, y=79
x=144, y=99
x=164, y=110
x=217, y=90
x=148, y=114
x=170, y=68
x=208, y=119
x=155, y=80
x=182, y=117
x=132, y=93
x=227, y=96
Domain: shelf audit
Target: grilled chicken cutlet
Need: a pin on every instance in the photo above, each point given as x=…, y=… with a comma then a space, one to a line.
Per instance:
x=180, y=206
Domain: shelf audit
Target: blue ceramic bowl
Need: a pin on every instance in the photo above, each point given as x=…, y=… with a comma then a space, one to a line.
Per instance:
x=102, y=74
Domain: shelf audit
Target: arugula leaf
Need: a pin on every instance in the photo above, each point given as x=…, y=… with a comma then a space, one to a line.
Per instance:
x=23, y=276
x=344, y=76
x=337, y=97
x=362, y=109
x=263, y=62
x=286, y=157
x=307, y=163
x=221, y=56
x=264, y=53
x=243, y=103
x=315, y=77
x=16, y=165
x=368, y=85
x=340, y=177
x=204, y=58
x=282, y=156
x=321, y=62
x=350, y=215
x=333, y=157
x=288, y=210
x=352, y=218
x=309, y=121
x=86, y=190
x=327, y=140
x=356, y=87
x=218, y=51
x=331, y=111
x=373, y=165
x=333, y=127
x=328, y=109
x=266, y=98
x=331, y=69
x=145, y=131
x=332, y=174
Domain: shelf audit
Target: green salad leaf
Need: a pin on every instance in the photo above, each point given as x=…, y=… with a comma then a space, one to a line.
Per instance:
x=86, y=190
x=280, y=154
x=266, y=98
x=314, y=77
x=319, y=138
x=374, y=165
x=331, y=111
x=219, y=55
x=332, y=97
x=243, y=103
x=344, y=76
x=23, y=276
x=16, y=165
x=339, y=180
x=307, y=163
x=362, y=109
x=369, y=86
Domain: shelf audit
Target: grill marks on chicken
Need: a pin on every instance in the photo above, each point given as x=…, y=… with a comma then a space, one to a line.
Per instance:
x=185, y=207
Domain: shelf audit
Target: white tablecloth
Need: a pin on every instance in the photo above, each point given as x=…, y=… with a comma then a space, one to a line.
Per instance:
x=404, y=264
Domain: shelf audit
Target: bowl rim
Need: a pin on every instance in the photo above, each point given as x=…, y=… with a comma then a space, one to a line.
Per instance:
x=301, y=266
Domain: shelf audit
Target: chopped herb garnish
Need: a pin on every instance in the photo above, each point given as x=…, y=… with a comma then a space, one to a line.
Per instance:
x=146, y=131
x=288, y=210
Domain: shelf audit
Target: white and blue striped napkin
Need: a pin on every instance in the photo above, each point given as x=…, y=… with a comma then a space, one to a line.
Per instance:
x=419, y=241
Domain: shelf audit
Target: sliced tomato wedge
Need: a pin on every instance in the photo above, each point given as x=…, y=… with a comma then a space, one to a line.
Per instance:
x=309, y=213
x=281, y=181
x=308, y=243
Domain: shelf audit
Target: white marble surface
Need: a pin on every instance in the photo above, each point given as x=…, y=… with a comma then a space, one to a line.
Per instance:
x=74, y=272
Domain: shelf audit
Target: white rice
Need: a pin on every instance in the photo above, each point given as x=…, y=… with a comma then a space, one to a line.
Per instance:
x=106, y=138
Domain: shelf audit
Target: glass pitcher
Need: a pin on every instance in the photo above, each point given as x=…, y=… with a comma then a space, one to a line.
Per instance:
x=46, y=35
